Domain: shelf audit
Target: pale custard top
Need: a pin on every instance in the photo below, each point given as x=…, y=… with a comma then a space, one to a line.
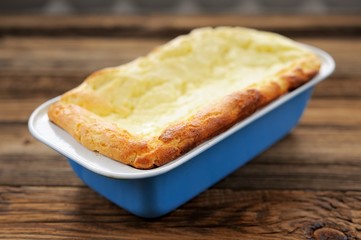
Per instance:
x=177, y=79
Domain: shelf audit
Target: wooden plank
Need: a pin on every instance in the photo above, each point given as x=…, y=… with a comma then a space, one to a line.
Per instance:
x=337, y=112
x=180, y=21
x=40, y=54
x=311, y=157
x=43, y=170
x=341, y=88
x=26, y=161
x=172, y=25
x=31, y=212
x=18, y=110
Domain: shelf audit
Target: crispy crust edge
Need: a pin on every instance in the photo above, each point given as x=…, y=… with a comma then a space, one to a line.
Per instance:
x=110, y=140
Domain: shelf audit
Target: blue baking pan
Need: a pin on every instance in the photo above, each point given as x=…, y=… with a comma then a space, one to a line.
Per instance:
x=155, y=192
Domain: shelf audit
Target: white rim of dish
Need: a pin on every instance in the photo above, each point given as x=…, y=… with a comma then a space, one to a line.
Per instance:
x=128, y=172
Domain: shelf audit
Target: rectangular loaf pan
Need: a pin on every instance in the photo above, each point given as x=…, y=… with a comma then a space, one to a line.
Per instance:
x=155, y=192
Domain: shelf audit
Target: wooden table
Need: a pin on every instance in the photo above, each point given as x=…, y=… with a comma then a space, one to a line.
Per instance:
x=307, y=186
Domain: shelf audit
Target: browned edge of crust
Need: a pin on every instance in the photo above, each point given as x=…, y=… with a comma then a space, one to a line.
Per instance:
x=184, y=136
x=110, y=140
x=96, y=134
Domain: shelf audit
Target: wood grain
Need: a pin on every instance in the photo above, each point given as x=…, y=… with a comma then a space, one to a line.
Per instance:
x=268, y=214
x=171, y=25
x=307, y=186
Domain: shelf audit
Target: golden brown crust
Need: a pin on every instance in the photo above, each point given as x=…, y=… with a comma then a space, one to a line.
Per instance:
x=84, y=122
x=95, y=134
x=289, y=79
x=184, y=136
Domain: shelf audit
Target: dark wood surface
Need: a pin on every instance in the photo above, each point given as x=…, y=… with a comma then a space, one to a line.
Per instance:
x=307, y=186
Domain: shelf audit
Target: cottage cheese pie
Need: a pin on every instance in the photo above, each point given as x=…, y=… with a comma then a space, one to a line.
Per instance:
x=152, y=110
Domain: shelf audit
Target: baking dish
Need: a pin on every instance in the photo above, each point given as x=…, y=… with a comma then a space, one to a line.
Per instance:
x=155, y=192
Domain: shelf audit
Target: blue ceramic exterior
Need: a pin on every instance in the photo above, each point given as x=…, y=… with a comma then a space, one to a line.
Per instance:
x=158, y=195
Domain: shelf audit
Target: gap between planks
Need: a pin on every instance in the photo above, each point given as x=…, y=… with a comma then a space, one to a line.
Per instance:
x=173, y=25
